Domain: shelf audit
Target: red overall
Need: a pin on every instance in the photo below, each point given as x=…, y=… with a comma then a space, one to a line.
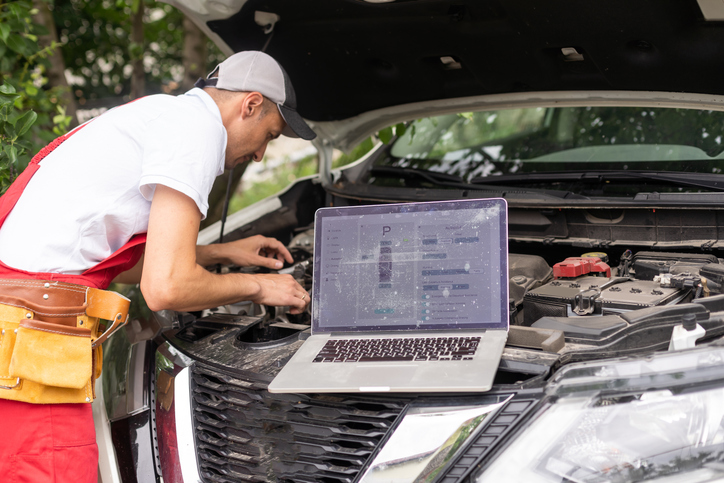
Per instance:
x=54, y=442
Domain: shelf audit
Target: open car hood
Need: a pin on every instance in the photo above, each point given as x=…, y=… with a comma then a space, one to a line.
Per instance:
x=350, y=58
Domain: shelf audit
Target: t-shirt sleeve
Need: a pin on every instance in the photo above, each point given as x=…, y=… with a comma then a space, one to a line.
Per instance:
x=184, y=151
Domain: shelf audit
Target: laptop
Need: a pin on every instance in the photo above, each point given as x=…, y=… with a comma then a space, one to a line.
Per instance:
x=406, y=297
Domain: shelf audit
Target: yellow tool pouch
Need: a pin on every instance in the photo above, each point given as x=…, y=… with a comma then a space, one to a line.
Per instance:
x=50, y=347
x=67, y=348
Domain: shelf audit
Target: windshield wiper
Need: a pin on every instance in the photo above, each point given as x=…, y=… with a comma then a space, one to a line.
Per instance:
x=434, y=177
x=454, y=181
x=700, y=180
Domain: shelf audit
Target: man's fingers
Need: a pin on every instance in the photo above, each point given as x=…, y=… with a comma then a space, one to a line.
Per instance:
x=261, y=261
x=282, y=290
x=303, y=301
x=272, y=244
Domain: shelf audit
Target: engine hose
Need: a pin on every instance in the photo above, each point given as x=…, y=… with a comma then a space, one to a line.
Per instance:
x=704, y=283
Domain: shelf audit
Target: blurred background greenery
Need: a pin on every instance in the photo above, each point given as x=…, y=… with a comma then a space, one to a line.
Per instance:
x=63, y=62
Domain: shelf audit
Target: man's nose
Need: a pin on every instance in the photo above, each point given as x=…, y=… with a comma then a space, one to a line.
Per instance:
x=259, y=153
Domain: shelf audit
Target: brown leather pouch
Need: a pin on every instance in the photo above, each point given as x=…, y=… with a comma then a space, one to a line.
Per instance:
x=50, y=348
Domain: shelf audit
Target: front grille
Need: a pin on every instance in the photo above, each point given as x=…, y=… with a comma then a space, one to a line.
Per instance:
x=246, y=434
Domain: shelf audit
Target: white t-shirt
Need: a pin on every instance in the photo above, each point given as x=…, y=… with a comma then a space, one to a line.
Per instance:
x=94, y=191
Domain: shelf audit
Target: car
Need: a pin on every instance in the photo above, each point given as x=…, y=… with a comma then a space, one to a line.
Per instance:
x=601, y=125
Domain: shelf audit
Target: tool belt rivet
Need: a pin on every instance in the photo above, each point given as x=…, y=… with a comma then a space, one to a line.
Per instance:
x=87, y=399
x=45, y=296
x=28, y=315
x=3, y=332
x=15, y=331
x=47, y=285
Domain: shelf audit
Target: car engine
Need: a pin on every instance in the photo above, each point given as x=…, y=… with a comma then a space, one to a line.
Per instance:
x=567, y=305
x=587, y=297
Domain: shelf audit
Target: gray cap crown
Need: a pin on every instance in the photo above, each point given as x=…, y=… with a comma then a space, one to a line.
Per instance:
x=254, y=71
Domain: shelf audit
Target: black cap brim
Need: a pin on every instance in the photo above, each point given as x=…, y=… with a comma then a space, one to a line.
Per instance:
x=296, y=127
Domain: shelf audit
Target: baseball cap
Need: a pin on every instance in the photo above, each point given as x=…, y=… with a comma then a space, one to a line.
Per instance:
x=256, y=71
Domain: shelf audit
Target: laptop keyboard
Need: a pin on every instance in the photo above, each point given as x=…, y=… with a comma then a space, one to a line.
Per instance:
x=399, y=349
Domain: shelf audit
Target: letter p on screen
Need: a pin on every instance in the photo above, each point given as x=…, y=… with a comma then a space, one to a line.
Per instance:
x=386, y=229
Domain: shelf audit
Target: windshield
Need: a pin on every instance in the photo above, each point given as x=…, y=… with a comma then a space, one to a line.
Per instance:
x=478, y=145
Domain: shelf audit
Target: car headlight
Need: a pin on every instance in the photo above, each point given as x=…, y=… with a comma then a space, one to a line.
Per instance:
x=655, y=419
x=427, y=439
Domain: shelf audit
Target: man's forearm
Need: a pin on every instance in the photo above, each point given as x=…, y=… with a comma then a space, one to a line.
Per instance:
x=206, y=255
x=197, y=289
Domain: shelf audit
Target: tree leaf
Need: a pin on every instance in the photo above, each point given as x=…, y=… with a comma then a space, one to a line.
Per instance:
x=16, y=43
x=31, y=46
x=5, y=63
x=7, y=89
x=10, y=132
x=4, y=31
x=7, y=101
x=11, y=152
x=400, y=129
x=385, y=135
x=25, y=122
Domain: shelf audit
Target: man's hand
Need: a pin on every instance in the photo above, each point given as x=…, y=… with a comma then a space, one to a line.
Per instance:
x=257, y=250
x=280, y=290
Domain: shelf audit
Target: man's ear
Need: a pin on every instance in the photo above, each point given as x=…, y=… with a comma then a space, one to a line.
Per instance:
x=252, y=105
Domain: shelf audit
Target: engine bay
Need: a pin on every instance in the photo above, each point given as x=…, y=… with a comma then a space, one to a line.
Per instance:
x=583, y=306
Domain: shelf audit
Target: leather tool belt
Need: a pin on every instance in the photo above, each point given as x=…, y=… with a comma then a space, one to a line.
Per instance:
x=50, y=339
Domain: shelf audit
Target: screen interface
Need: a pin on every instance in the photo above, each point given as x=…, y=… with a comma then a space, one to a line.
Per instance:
x=433, y=265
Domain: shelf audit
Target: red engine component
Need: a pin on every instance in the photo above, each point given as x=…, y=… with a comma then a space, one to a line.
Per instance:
x=576, y=266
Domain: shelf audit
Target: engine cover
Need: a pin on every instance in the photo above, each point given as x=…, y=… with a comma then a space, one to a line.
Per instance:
x=596, y=295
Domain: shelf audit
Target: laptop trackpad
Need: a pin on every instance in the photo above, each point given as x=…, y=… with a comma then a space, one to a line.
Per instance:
x=381, y=378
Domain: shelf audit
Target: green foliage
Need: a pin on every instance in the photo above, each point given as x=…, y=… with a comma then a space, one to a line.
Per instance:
x=289, y=172
x=385, y=135
x=26, y=105
x=281, y=177
x=61, y=121
x=357, y=152
x=97, y=46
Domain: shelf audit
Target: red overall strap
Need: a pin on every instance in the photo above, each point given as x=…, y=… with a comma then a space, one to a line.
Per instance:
x=99, y=276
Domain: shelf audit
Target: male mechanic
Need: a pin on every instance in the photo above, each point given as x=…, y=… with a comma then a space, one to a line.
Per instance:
x=80, y=216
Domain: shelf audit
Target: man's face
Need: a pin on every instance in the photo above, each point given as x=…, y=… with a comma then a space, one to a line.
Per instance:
x=249, y=139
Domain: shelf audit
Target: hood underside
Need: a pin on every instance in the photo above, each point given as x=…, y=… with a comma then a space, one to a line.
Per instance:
x=347, y=57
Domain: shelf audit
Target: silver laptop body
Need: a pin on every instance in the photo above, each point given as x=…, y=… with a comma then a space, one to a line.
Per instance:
x=402, y=278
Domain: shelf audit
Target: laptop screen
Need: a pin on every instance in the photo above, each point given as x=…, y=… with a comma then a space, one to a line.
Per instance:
x=433, y=265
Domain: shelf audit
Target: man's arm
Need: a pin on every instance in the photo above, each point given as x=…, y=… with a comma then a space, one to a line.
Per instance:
x=172, y=278
x=258, y=250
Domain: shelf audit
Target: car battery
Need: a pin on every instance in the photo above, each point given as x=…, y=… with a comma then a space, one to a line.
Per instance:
x=577, y=266
x=590, y=295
